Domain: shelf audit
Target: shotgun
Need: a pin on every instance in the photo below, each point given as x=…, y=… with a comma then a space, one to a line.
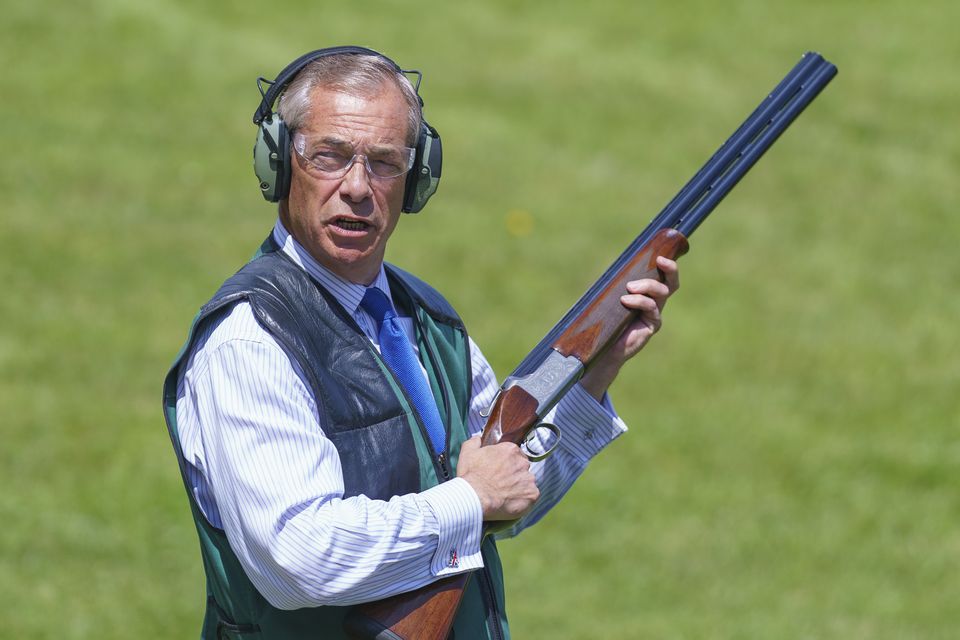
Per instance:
x=592, y=325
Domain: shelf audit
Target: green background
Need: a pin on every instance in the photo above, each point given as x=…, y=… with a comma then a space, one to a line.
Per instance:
x=792, y=461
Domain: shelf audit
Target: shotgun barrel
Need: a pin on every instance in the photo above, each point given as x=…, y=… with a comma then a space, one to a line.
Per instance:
x=698, y=198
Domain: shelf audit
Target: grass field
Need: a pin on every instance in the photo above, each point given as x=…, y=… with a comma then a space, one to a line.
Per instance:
x=791, y=470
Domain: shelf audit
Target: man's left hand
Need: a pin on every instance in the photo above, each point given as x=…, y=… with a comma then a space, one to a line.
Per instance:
x=648, y=297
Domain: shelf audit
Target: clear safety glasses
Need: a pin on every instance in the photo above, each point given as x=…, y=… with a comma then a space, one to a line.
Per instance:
x=330, y=158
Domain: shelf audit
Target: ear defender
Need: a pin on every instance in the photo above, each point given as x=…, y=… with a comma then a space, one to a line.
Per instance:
x=424, y=178
x=271, y=158
x=271, y=151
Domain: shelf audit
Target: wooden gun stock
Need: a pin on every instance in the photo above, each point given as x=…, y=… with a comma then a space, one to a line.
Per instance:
x=605, y=318
x=426, y=613
x=591, y=326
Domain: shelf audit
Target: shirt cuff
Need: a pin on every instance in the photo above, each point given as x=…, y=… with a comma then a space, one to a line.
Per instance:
x=459, y=519
x=587, y=425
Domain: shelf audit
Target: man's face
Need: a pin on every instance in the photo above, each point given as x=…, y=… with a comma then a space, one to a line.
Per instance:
x=345, y=222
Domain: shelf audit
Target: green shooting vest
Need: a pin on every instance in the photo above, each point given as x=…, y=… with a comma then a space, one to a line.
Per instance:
x=383, y=447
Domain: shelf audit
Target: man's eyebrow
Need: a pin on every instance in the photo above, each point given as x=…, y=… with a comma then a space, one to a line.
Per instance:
x=334, y=141
x=376, y=147
x=384, y=148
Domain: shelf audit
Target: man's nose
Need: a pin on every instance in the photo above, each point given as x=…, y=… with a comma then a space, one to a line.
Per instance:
x=356, y=183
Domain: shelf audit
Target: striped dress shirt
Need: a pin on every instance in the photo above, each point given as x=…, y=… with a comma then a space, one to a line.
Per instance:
x=261, y=469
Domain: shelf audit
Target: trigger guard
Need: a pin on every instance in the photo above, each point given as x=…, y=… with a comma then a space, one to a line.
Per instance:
x=535, y=457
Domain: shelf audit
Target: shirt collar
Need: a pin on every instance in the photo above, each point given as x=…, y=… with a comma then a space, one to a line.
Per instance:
x=348, y=294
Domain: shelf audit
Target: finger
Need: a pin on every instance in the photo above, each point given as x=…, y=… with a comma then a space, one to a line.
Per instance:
x=670, y=271
x=639, y=302
x=649, y=287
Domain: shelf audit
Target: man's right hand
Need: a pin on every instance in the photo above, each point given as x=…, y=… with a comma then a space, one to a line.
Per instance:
x=500, y=474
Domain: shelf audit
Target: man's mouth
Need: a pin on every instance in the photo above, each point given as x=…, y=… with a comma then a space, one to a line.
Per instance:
x=351, y=225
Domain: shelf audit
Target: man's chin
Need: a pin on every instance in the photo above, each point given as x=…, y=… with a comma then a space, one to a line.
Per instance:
x=357, y=264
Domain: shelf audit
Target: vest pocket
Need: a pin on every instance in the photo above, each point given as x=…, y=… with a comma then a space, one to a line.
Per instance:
x=228, y=630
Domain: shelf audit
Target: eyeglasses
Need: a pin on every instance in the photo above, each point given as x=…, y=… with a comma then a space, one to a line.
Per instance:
x=329, y=158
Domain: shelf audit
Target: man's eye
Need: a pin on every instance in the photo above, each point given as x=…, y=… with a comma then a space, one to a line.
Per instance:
x=386, y=165
x=328, y=158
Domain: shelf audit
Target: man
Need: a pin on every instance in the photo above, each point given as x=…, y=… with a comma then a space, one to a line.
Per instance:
x=318, y=476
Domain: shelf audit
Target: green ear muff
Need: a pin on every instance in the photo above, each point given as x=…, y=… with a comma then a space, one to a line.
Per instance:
x=424, y=178
x=271, y=159
x=271, y=151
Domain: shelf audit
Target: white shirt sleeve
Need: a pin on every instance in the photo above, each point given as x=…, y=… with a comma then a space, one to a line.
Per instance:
x=272, y=481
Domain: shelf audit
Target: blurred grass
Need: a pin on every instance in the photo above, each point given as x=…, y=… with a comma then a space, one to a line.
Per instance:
x=791, y=466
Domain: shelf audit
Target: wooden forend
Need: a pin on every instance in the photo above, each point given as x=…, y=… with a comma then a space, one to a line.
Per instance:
x=605, y=318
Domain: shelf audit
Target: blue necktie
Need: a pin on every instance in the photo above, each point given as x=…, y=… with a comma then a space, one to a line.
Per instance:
x=397, y=352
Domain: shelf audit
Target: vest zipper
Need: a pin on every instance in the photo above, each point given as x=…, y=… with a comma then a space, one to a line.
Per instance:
x=441, y=460
x=444, y=468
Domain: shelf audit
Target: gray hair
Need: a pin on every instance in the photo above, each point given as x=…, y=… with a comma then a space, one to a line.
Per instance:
x=355, y=74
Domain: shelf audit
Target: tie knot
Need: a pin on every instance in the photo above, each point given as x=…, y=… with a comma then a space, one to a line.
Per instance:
x=377, y=304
